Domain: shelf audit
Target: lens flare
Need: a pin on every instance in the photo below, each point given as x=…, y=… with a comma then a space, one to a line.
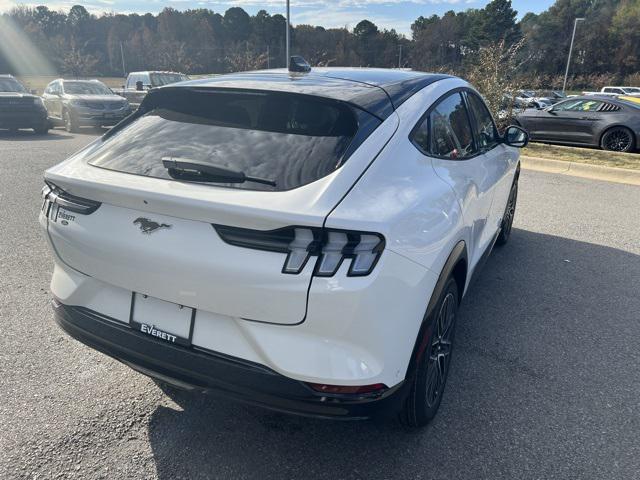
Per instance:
x=22, y=56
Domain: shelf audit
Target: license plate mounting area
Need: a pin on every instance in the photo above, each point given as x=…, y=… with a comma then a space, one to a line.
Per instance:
x=162, y=320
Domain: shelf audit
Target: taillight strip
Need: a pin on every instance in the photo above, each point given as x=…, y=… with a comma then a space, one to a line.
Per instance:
x=331, y=246
x=55, y=195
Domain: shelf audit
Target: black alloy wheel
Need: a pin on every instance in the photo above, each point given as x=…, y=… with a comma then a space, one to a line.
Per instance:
x=617, y=139
x=440, y=350
x=509, y=214
x=433, y=365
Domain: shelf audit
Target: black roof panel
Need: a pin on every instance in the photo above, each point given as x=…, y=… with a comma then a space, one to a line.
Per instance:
x=378, y=91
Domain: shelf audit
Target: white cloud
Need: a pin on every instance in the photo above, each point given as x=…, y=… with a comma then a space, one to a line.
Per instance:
x=6, y=5
x=328, y=13
x=347, y=18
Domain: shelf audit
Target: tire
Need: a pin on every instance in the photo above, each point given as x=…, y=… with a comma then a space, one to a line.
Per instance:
x=70, y=124
x=432, y=370
x=42, y=129
x=617, y=139
x=509, y=213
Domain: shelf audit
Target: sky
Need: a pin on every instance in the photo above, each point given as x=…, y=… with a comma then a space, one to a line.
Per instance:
x=397, y=14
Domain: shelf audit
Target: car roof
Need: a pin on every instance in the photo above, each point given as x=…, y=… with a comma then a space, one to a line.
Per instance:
x=376, y=90
x=156, y=71
x=602, y=98
x=93, y=80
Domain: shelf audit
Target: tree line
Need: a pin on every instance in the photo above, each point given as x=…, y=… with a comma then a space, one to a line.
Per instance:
x=196, y=41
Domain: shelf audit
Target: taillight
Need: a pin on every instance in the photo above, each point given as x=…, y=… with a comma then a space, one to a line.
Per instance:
x=330, y=246
x=53, y=198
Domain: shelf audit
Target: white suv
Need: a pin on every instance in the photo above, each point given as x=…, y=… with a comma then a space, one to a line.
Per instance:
x=299, y=241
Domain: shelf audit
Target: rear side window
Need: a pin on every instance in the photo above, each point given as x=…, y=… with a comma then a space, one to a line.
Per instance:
x=287, y=138
x=485, y=129
x=451, y=135
x=578, y=106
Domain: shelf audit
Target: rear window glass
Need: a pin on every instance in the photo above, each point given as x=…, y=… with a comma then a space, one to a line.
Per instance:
x=160, y=79
x=289, y=139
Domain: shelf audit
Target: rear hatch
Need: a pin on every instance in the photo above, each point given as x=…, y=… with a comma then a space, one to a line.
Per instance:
x=158, y=206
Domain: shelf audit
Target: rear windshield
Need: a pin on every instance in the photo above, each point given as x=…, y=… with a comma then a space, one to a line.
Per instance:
x=287, y=138
x=160, y=79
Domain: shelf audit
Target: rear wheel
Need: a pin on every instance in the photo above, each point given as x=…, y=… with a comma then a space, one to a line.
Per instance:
x=42, y=129
x=509, y=213
x=70, y=124
x=433, y=367
x=617, y=139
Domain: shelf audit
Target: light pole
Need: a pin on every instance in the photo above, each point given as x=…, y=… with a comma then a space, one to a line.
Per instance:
x=286, y=64
x=573, y=36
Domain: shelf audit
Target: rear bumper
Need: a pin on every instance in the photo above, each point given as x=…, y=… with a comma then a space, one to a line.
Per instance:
x=28, y=119
x=212, y=372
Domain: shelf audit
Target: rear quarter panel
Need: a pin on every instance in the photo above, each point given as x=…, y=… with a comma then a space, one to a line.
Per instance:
x=401, y=196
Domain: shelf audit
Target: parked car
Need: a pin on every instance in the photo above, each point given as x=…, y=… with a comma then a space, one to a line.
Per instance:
x=301, y=242
x=598, y=121
x=139, y=83
x=19, y=108
x=530, y=99
x=83, y=103
x=621, y=90
x=553, y=96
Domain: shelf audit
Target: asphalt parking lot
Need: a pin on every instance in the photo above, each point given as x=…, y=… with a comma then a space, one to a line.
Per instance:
x=545, y=381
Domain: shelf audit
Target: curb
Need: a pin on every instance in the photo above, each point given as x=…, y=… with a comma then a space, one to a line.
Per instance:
x=583, y=170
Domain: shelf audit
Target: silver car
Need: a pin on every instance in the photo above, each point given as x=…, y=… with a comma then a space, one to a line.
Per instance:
x=83, y=103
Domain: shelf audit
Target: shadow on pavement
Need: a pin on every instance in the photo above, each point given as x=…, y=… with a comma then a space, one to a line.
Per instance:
x=532, y=374
x=30, y=136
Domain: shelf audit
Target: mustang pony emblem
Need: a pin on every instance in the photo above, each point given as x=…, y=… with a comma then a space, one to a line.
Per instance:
x=149, y=226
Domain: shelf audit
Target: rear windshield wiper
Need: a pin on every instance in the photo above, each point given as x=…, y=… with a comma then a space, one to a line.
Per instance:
x=192, y=170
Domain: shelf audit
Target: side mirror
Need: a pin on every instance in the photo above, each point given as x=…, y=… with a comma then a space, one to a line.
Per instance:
x=515, y=137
